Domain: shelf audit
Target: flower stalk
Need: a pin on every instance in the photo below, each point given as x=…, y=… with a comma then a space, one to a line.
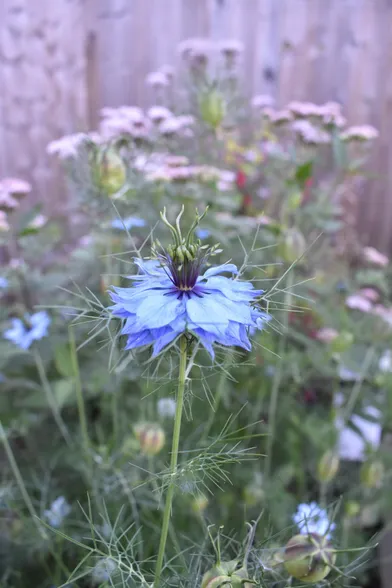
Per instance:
x=174, y=459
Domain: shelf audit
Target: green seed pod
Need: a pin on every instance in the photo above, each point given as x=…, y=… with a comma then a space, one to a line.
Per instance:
x=151, y=437
x=112, y=172
x=227, y=574
x=293, y=246
x=372, y=474
x=342, y=342
x=306, y=558
x=328, y=467
x=212, y=108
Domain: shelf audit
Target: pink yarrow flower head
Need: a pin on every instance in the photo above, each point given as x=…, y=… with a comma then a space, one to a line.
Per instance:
x=67, y=147
x=326, y=334
x=357, y=302
x=375, y=257
x=360, y=133
x=179, y=292
x=196, y=51
x=159, y=113
x=15, y=186
x=158, y=79
x=261, y=101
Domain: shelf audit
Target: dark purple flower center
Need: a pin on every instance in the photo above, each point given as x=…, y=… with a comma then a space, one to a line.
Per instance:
x=184, y=275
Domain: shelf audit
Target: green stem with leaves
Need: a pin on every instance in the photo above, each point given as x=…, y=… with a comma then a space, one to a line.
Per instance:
x=173, y=461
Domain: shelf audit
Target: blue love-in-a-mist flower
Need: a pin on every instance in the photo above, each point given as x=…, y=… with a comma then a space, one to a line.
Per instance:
x=311, y=518
x=202, y=233
x=3, y=283
x=32, y=328
x=126, y=224
x=57, y=512
x=176, y=293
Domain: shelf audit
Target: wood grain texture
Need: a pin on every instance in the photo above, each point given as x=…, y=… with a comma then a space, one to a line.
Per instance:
x=61, y=61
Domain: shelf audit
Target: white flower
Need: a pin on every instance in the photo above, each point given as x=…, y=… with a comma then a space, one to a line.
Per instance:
x=104, y=570
x=59, y=509
x=311, y=518
x=15, y=186
x=166, y=407
x=195, y=48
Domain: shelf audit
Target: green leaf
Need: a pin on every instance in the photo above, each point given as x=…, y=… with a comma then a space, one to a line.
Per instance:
x=63, y=360
x=304, y=172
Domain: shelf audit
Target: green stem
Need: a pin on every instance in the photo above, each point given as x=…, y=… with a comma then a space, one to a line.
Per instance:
x=173, y=461
x=273, y=405
x=219, y=393
x=79, y=397
x=50, y=397
x=19, y=481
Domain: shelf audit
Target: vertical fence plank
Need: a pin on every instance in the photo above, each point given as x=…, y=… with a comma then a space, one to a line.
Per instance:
x=74, y=56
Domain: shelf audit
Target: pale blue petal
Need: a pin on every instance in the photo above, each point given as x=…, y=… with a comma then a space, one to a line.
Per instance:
x=207, y=313
x=165, y=340
x=158, y=310
x=218, y=269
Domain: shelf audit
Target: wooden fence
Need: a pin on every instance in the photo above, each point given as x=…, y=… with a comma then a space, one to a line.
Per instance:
x=61, y=60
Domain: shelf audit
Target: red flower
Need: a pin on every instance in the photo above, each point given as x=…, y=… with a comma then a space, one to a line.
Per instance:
x=240, y=179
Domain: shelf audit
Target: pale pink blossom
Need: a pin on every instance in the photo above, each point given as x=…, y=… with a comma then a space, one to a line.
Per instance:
x=168, y=70
x=357, y=302
x=304, y=109
x=176, y=160
x=331, y=113
x=263, y=219
x=372, y=255
x=370, y=293
x=261, y=101
x=196, y=49
x=157, y=79
x=360, y=133
x=326, y=334
x=310, y=133
x=278, y=116
x=67, y=146
x=158, y=113
x=15, y=186
x=175, y=124
x=231, y=49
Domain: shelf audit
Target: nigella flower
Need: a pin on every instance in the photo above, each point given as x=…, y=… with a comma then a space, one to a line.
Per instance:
x=202, y=233
x=311, y=518
x=3, y=283
x=104, y=570
x=32, y=328
x=125, y=224
x=176, y=293
x=57, y=512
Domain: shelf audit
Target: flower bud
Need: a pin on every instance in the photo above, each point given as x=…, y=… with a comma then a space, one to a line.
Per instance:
x=352, y=508
x=212, y=108
x=306, y=558
x=199, y=503
x=328, y=467
x=151, y=437
x=112, y=173
x=293, y=246
x=342, y=342
x=372, y=474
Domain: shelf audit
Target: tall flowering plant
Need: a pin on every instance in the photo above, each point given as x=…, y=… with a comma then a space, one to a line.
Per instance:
x=180, y=299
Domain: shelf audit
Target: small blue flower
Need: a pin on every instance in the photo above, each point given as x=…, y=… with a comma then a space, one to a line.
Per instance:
x=166, y=407
x=202, y=233
x=169, y=298
x=23, y=333
x=3, y=283
x=311, y=518
x=126, y=224
x=104, y=570
x=59, y=509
